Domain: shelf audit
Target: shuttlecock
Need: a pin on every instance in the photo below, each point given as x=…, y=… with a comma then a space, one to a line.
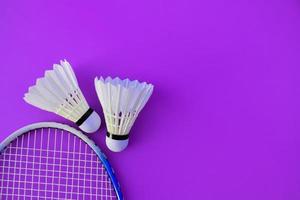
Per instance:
x=58, y=92
x=122, y=101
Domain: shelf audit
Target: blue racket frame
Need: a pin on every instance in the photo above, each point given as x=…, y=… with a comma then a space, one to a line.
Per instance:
x=79, y=134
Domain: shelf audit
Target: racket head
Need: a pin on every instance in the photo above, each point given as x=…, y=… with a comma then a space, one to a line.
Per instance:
x=53, y=160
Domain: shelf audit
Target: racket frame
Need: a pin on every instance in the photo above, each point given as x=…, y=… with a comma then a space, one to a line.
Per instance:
x=77, y=133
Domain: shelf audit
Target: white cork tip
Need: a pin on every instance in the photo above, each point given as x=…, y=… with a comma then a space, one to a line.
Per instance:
x=116, y=145
x=91, y=124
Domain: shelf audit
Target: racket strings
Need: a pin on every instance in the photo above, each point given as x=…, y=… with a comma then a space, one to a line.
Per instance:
x=52, y=164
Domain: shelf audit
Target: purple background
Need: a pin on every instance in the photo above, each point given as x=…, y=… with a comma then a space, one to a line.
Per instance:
x=223, y=121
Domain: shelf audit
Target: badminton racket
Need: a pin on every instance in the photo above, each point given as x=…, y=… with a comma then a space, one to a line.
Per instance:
x=54, y=161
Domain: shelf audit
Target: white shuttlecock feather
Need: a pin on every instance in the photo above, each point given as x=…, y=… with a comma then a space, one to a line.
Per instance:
x=122, y=101
x=58, y=92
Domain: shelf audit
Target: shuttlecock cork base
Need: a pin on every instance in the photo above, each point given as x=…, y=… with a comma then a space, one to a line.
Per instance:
x=116, y=143
x=90, y=122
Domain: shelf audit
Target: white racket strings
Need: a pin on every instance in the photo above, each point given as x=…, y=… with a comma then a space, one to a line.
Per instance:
x=53, y=164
